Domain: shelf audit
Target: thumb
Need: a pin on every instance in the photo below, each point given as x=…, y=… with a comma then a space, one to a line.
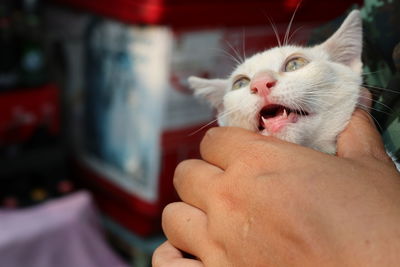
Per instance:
x=361, y=138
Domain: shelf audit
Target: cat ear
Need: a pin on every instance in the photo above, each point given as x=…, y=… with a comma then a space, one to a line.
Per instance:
x=211, y=89
x=345, y=45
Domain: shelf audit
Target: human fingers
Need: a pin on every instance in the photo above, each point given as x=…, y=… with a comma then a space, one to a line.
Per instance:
x=225, y=146
x=167, y=255
x=193, y=180
x=361, y=138
x=186, y=228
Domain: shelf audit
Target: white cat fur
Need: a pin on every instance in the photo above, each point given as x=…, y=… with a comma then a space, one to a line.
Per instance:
x=328, y=87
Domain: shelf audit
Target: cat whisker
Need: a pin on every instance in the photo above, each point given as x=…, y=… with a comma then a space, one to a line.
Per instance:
x=241, y=60
x=237, y=61
x=293, y=33
x=323, y=102
x=326, y=82
x=367, y=109
x=303, y=111
x=223, y=114
x=317, y=94
x=371, y=72
x=321, y=86
x=285, y=39
x=203, y=127
x=228, y=112
x=367, y=73
x=377, y=110
x=274, y=29
x=299, y=107
x=236, y=107
x=220, y=116
x=244, y=44
x=377, y=102
x=377, y=88
x=320, y=103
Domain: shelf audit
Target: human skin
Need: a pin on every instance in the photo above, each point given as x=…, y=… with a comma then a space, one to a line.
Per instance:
x=258, y=201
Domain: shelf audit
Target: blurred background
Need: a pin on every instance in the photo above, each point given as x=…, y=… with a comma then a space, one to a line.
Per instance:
x=95, y=114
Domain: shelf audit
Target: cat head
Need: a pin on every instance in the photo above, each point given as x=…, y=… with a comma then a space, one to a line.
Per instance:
x=304, y=95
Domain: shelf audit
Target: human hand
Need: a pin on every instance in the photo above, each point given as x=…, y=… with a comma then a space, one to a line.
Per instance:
x=258, y=201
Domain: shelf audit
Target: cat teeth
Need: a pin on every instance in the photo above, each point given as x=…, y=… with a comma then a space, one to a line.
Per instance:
x=264, y=120
x=284, y=114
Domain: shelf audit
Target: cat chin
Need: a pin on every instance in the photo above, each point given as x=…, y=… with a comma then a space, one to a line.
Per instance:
x=287, y=133
x=296, y=133
x=308, y=132
x=328, y=147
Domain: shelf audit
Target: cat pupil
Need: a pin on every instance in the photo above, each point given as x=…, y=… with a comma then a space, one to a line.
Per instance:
x=240, y=83
x=295, y=63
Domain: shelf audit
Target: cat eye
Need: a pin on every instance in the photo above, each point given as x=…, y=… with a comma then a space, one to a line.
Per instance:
x=241, y=82
x=295, y=64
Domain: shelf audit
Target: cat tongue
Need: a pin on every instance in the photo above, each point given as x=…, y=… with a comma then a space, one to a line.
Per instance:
x=275, y=124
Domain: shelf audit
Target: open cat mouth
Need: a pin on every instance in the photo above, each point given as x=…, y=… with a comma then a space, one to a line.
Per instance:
x=274, y=117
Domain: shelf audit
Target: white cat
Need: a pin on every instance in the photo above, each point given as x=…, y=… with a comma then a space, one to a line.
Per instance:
x=304, y=95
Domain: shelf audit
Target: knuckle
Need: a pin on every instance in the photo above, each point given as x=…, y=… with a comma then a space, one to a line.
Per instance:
x=160, y=257
x=169, y=210
x=210, y=133
x=229, y=200
x=168, y=217
x=181, y=171
x=208, y=137
x=155, y=260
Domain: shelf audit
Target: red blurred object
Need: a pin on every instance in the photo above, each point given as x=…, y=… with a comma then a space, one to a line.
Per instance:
x=10, y=202
x=132, y=212
x=201, y=13
x=24, y=110
x=65, y=186
x=292, y=4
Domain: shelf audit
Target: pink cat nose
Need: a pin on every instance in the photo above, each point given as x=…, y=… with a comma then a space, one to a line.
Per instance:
x=262, y=83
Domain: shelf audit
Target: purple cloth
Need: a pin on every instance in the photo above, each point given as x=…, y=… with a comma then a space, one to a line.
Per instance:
x=60, y=233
